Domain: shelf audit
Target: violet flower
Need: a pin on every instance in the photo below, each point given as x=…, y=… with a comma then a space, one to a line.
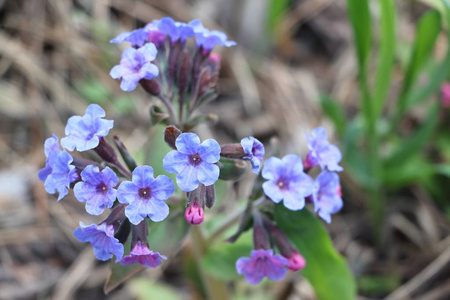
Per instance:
x=194, y=162
x=255, y=152
x=208, y=39
x=102, y=239
x=141, y=254
x=84, y=132
x=287, y=181
x=327, y=195
x=145, y=195
x=321, y=152
x=175, y=30
x=262, y=263
x=97, y=189
x=136, y=65
x=136, y=38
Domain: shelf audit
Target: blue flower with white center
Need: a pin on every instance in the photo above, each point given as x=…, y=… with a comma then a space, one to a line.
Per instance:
x=97, y=189
x=194, y=162
x=327, y=195
x=58, y=172
x=102, y=239
x=287, y=181
x=255, y=152
x=209, y=39
x=321, y=152
x=84, y=132
x=175, y=30
x=145, y=195
x=136, y=64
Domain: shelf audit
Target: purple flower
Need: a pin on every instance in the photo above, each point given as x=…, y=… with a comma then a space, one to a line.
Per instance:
x=209, y=39
x=136, y=65
x=287, y=181
x=84, y=132
x=141, y=254
x=145, y=195
x=58, y=172
x=321, y=152
x=327, y=195
x=137, y=38
x=263, y=263
x=154, y=35
x=175, y=30
x=97, y=190
x=255, y=152
x=102, y=239
x=194, y=162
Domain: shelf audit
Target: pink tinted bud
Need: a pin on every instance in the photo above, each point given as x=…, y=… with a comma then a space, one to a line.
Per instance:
x=215, y=58
x=194, y=214
x=296, y=262
x=445, y=90
x=338, y=191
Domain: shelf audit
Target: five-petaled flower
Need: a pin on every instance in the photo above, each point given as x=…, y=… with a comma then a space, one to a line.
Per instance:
x=262, y=263
x=327, y=195
x=208, y=39
x=102, y=239
x=97, y=189
x=145, y=195
x=58, y=172
x=194, y=162
x=321, y=152
x=136, y=64
x=287, y=181
x=141, y=254
x=255, y=152
x=175, y=30
x=84, y=132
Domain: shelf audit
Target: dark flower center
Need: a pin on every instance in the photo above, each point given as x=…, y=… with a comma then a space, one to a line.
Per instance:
x=102, y=188
x=145, y=193
x=195, y=159
x=282, y=184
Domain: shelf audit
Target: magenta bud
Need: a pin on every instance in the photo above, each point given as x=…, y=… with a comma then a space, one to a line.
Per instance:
x=151, y=86
x=215, y=58
x=171, y=133
x=296, y=262
x=232, y=151
x=194, y=214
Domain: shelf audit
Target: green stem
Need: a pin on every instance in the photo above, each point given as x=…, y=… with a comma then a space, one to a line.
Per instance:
x=215, y=289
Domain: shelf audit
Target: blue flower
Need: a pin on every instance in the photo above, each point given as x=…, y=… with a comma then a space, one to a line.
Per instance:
x=287, y=181
x=321, y=152
x=84, y=132
x=141, y=254
x=97, y=190
x=137, y=38
x=58, y=172
x=136, y=65
x=146, y=195
x=209, y=39
x=262, y=263
x=194, y=162
x=175, y=30
x=102, y=239
x=255, y=152
x=327, y=195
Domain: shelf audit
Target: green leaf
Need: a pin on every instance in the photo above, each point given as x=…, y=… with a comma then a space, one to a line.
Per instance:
x=147, y=289
x=325, y=269
x=334, y=111
x=386, y=56
x=276, y=10
x=220, y=260
x=427, y=31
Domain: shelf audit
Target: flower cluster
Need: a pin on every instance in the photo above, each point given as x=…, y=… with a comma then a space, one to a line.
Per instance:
x=160, y=62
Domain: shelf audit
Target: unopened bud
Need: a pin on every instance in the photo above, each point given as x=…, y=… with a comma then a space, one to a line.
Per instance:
x=296, y=261
x=194, y=213
x=171, y=133
x=106, y=151
x=151, y=86
x=210, y=196
x=128, y=159
x=184, y=71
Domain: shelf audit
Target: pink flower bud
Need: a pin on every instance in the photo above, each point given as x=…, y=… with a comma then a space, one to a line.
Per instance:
x=445, y=91
x=296, y=262
x=338, y=191
x=194, y=214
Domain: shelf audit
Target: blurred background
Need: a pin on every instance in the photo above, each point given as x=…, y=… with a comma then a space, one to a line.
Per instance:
x=372, y=73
